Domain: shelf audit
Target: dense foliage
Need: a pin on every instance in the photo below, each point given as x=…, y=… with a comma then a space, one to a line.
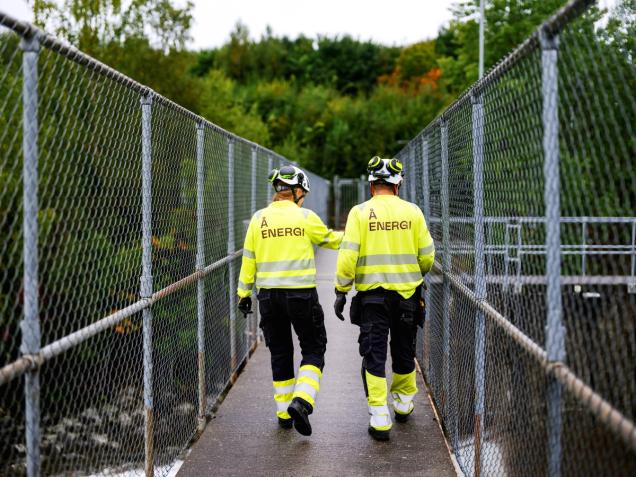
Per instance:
x=329, y=103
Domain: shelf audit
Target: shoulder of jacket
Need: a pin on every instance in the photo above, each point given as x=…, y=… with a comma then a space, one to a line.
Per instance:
x=361, y=207
x=413, y=206
x=257, y=215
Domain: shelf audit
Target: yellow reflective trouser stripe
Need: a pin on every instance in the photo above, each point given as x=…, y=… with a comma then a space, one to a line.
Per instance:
x=349, y=245
x=290, y=281
x=283, y=393
x=378, y=408
x=387, y=259
x=285, y=265
x=377, y=389
x=426, y=250
x=308, y=383
x=404, y=383
x=403, y=390
x=388, y=277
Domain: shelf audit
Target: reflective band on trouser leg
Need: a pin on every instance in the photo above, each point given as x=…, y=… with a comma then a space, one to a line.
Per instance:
x=403, y=390
x=380, y=419
x=308, y=383
x=378, y=409
x=283, y=392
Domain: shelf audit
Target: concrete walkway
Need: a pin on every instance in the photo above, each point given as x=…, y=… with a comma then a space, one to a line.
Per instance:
x=244, y=438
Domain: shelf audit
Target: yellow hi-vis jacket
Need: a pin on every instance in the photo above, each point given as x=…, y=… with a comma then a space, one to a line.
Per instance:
x=386, y=244
x=278, y=250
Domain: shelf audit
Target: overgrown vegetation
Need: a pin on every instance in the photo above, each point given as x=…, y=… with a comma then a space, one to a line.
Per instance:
x=328, y=103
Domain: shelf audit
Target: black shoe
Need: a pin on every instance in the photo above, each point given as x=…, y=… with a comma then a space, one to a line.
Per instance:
x=379, y=435
x=402, y=417
x=285, y=423
x=300, y=415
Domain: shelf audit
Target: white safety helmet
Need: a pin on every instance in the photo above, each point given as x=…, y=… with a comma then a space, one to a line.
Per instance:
x=287, y=177
x=389, y=171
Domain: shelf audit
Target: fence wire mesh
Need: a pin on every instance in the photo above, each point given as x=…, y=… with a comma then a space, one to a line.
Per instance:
x=529, y=381
x=118, y=391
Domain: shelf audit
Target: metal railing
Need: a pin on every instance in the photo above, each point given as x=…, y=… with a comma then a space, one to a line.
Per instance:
x=528, y=185
x=105, y=182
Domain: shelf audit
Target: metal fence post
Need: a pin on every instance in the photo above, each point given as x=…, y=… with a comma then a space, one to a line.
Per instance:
x=336, y=202
x=361, y=189
x=230, y=250
x=555, y=331
x=480, y=278
x=446, y=267
x=254, y=317
x=270, y=166
x=426, y=200
x=146, y=274
x=200, y=265
x=411, y=174
x=30, y=326
x=426, y=209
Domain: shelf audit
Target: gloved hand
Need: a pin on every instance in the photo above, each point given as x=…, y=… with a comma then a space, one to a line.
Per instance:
x=338, y=305
x=245, y=306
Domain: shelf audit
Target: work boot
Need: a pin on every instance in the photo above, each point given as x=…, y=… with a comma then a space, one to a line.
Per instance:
x=285, y=423
x=402, y=417
x=299, y=412
x=379, y=435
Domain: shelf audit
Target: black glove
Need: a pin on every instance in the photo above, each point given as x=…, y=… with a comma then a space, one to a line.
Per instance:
x=245, y=306
x=338, y=305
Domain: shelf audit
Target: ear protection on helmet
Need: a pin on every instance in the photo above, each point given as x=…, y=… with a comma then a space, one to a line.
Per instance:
x=375, y=163
x=395, y=166
x=273, y=174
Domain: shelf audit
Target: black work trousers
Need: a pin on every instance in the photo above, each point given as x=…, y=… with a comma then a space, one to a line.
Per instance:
x=385, y=311
x=281, y=309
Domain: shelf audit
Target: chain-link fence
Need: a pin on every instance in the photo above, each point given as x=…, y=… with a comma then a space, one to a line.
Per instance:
x=105, y=183
x=347, y=193
x=528, y=183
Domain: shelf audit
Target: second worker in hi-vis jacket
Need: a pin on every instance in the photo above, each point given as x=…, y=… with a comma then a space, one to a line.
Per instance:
x=386, y=250
x=278, y=257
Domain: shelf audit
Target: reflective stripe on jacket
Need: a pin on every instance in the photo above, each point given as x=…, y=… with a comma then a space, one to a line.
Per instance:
x=386, y=244
x=278, y=250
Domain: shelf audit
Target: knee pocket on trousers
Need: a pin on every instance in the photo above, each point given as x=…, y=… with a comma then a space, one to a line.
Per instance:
x=364, y=340
x=318, y=318
x=265, y=310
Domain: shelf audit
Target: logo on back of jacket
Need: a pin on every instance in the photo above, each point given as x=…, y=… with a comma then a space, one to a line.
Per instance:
x=267, y=232
x=375, y=225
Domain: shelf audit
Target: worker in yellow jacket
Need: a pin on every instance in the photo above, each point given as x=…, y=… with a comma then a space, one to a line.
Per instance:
x=386, y=250
x=278, y=256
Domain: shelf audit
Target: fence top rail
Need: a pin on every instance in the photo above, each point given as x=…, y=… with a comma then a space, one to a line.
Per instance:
x=551, y=26
x=539, y=220
x=27, y=30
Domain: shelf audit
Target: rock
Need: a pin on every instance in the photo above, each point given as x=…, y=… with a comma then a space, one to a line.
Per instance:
x=69, y=437
x=125, y=420
x=100, y=439
x=91, y=416
x=185, y=408
x=72, y=424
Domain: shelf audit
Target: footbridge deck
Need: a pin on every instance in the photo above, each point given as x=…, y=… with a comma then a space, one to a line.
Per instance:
x=243, y=438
